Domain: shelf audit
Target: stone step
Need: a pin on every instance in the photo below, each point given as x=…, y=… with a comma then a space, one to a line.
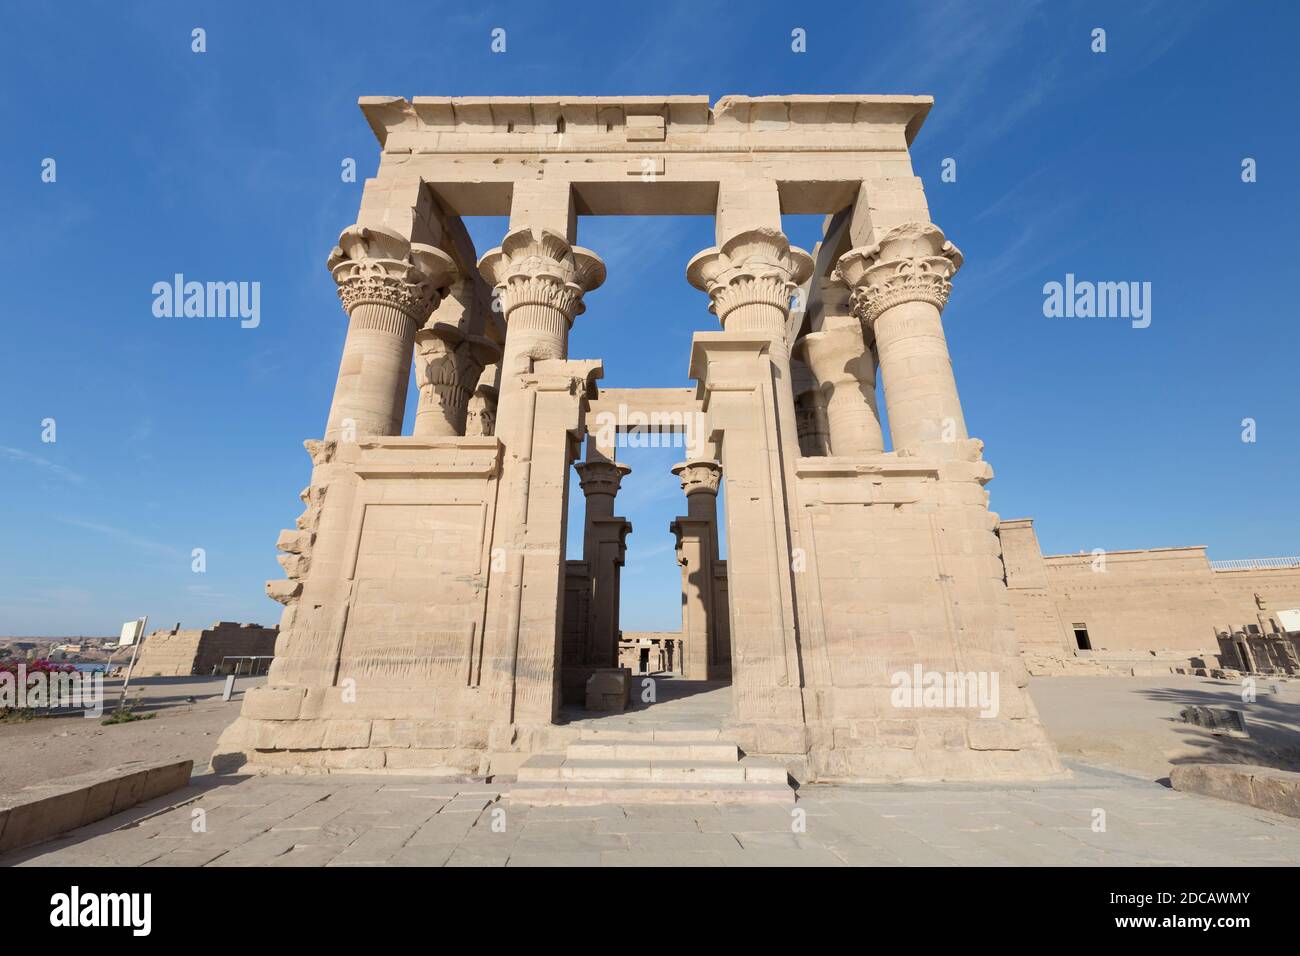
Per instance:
x=650, y=732
x=571, y=793
x=638, y=748
x=765, y=770
x=554, y=768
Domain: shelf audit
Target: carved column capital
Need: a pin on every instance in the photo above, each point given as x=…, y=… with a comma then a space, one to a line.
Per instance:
x=699, y=476
x=835, y=354
x=481, y=418
x=540, y=267
x=912, y=263
x=601, y=477
x=380, y=267
x=756, y=267
x=448, y=364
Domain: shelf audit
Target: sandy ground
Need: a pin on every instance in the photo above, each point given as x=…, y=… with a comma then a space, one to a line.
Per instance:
x=1131, y=724
x=47, y=748
x=1126, y=724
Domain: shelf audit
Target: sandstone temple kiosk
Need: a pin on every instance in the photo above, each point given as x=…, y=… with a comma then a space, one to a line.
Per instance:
x=431, y=619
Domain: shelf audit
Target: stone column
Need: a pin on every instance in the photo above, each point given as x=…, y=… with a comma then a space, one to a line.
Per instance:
x=448, y=364
x=388, y=287
x=744, y=372
x=539, y=280
x=845, y=370
x=899, y=288
x=604, y=548
x=701, y=478
x=809, y=408
x=697, y=553
x=750, y=279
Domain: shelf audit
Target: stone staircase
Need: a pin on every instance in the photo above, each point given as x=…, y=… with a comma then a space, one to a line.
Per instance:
x=650, y=764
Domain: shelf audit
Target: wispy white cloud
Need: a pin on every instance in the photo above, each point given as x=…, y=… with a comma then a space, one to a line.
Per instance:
x=126, y=537
x=53, y=467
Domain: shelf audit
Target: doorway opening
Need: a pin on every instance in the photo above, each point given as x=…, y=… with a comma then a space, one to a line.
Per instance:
x=1081, y=638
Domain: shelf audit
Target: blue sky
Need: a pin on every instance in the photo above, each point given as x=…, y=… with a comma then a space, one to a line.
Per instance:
x=175, y=434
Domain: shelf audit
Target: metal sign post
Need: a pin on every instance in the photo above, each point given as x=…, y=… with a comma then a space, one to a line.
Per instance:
x=138, y=639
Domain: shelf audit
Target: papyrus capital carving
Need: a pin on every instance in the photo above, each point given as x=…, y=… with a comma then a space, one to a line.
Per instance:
x=540, y=267
x=758, y=266
x=912, y=263
x=373, y=265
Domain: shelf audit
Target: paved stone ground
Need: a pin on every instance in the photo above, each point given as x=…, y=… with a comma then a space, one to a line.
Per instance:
x=348, y=820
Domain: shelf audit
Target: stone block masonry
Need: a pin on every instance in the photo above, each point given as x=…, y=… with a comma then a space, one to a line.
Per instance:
x=431, y=620
x=184, y=653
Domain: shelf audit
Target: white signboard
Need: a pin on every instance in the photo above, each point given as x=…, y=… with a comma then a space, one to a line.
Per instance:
x=1290, y=620
x=131, y=632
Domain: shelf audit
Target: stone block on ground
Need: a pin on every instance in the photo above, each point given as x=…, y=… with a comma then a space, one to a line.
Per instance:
x=1265, y=788
x=608, y=690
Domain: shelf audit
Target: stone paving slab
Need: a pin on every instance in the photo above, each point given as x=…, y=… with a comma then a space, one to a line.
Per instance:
x=373, y=821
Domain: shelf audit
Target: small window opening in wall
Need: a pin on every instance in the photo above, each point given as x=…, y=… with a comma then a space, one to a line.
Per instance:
x=1081, y=637
x=609, y=127
x=559, y=125
x=510, y=127
x=1252, y=628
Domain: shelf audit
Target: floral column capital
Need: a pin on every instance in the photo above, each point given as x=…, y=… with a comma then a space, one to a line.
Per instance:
x=601, y=477
x=699, y=476
x=758, y=266
x=378, y=266
x=540, y=267
x=912, y=263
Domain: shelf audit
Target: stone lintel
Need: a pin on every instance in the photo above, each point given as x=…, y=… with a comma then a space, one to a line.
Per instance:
x=577, y=376
x=606, y=117
x=472, y=152
x=413, y=457
x=660, y=403
x=418, y=442
x=892, y=467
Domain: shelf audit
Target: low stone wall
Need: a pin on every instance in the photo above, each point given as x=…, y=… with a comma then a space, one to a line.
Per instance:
x=1154, y=664
x=41, y=812
x=1264, y=788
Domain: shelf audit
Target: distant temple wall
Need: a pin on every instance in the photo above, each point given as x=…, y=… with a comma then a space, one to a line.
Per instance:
x=1161, y=602
x=183, y=653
